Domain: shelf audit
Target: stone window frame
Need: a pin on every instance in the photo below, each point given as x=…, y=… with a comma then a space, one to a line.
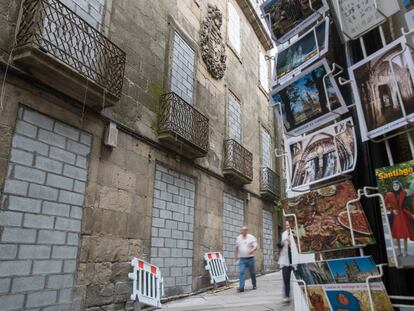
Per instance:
x=263, y=126
x=259, y=67
x=229, y=44
x=229, y=93
x=174, y=27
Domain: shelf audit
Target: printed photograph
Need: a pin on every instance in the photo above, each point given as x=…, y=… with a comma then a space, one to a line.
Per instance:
x=322, y=155
x=356, y=17
x=323, y=222
x=314, y=273
x=396, y=184
x=304, y=51
x=285, y=18
x=352, y=270
x=303, y=100
x=357, y=298
x=317, y=298
x=380, y=96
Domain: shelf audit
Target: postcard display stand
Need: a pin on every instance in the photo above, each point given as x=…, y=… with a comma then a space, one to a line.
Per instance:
x=368, y=192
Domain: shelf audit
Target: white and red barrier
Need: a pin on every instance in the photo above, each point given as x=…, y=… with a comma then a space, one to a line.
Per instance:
x=148, y=286
x=216, y=266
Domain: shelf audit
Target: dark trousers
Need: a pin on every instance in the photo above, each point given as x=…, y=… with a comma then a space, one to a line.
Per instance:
x=286, y=273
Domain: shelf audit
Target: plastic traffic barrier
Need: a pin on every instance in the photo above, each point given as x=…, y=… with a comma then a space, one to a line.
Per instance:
x=216, y=266
x=148, y=287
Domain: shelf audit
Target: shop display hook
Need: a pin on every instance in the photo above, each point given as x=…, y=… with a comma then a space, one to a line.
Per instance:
x=372, y=277
x=296, y=227
x=372, y=192
x=305, y=287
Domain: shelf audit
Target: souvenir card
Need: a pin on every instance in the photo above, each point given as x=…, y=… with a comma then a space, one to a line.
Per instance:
x=396, y=184
x=308, y=48
x=306, y=102
x=286, y=18
x=383, y=90
x=322, y=155
x=354, y=18
x=323, y=221
x=340, y=284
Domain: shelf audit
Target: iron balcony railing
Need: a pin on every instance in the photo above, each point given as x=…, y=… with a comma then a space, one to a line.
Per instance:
x=238, y=158
x=269, y=181
x=181, y=119
x=55, y=29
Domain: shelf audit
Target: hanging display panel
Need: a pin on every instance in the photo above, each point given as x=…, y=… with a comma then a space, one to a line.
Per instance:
x=286, y=18
x=300, y=54
x=323, y=222
x=396, y=184
x=322, y=155
x=339, y=284
x=304, y=102
x=355, y=17
x=384, y=103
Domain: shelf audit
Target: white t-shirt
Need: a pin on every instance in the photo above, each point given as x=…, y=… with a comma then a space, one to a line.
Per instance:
x=245, y=246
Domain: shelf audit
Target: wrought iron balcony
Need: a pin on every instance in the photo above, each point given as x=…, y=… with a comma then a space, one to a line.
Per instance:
x=58, y=47
x=269, y=184
x=182, y=127
x=238, y=162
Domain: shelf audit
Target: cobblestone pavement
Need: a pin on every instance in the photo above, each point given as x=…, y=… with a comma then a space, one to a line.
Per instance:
x=267, y=297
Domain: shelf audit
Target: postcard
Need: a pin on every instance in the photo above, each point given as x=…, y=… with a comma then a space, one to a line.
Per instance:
x=343, y=285
x=396, y=184
x=352, y=270
x=355, y=18
x=384, y=103
x=308, y=48
x=322, y=155
x=323, y=222
x=287, y=18
x=304, y=104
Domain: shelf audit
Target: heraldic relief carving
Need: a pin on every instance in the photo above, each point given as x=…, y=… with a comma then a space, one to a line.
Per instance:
x=213, y=50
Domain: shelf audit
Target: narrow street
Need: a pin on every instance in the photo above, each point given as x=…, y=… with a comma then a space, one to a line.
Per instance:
x=267, y=297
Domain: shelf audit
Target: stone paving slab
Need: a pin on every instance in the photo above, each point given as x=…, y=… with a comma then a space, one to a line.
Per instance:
x=267, y=297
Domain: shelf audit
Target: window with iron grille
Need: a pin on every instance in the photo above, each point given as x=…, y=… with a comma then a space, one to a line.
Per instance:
x=266, y=149
x=233, y=28
x=182, y=69
x=234, y=119
x=91, y=11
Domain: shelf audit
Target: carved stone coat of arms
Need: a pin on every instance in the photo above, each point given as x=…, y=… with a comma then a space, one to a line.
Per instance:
x=213, y=50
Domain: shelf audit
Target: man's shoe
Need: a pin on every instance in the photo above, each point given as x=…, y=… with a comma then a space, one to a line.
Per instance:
x=240, y=290
x=254, y=287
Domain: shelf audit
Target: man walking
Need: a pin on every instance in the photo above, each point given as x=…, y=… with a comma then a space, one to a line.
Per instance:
x=285, y=260
x=246, y=246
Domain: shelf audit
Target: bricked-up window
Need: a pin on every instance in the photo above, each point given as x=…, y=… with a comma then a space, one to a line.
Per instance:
x=263, y=72
x=234, y=119
x=266, y=149
x=91, y=11
x=182, y=69
x=233, y=28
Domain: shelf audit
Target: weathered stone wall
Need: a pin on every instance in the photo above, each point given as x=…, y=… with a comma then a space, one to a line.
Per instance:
x=118, y=209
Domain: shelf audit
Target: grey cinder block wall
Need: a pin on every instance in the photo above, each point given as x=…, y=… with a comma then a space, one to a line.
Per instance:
x=41, y=212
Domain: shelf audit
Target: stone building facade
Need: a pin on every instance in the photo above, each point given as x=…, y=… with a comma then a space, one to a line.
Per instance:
x=74, y=210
